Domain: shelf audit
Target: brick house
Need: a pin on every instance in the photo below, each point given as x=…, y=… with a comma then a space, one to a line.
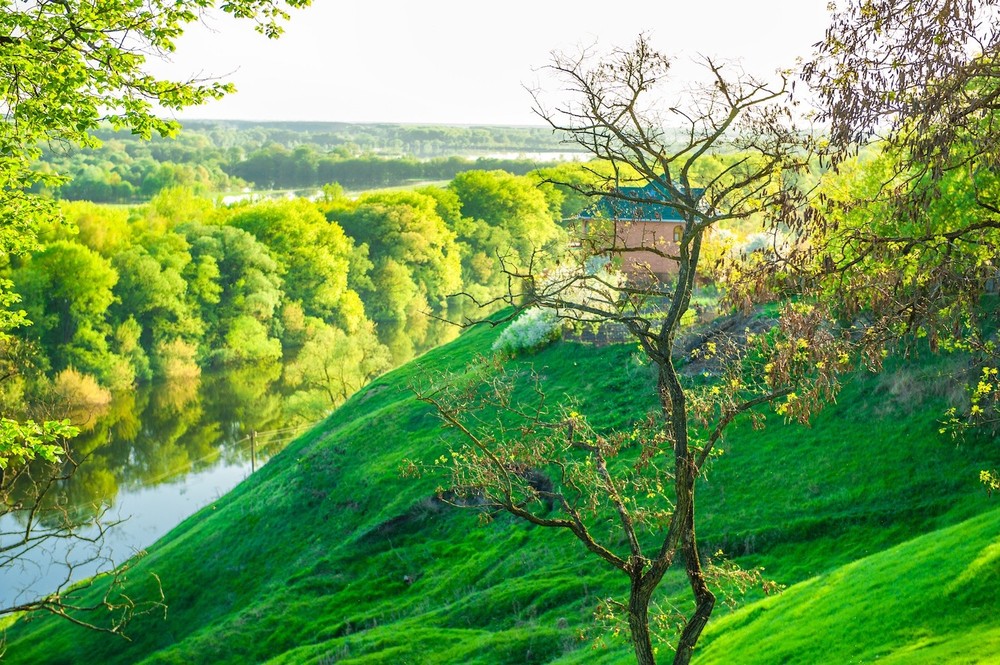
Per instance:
x=633, y=219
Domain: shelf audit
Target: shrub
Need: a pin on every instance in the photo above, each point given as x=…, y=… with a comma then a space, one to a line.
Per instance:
x=534, y=329
x=80, y=391
x=176, y=359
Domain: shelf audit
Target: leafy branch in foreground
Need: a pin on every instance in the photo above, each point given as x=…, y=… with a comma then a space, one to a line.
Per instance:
x=913, y=232
x=35, y=463
x=70, y=65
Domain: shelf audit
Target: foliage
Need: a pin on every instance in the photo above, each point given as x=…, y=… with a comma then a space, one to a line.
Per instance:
x=935, y=261
x=153, y=293
x=100, y=54
x=923, y=217
x=922, y=75
x=338, y=364
x=176, y=359
x=68, y=66
x=422, y=141
x=983, y=412
x=209, y=157
x=415, y=264
x=73, y=65
x=276, y=167
x=570, y=180
x=66, y=289
x=314, y=255
x=80, y=391
x=922, y=212
x=510, y=203
x=406, y=227
x=183, y=283
x=242, y=306
x=21, y=443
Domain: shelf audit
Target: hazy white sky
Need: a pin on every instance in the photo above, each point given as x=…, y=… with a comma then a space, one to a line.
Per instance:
x=466, y=62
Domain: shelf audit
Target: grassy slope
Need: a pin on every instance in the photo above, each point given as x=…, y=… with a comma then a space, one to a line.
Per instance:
x=308, y=561
x=930, y=600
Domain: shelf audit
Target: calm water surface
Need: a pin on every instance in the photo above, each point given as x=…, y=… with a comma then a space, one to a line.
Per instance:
x=155, y=456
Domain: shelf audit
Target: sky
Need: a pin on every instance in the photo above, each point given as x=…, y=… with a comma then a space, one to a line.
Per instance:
x=465, y=62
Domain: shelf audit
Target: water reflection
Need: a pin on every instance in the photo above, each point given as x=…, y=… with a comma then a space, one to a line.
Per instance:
x=153, y=457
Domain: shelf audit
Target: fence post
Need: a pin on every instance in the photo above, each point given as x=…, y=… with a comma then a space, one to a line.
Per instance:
x=253, y=451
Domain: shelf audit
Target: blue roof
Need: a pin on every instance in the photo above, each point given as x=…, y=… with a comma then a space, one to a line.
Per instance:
x=637, y=204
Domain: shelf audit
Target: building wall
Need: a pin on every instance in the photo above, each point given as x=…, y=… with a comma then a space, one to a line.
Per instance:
x=636, y=235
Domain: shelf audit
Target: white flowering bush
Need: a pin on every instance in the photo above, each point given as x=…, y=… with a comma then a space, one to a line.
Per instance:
x=765, y=242
x=533, y=329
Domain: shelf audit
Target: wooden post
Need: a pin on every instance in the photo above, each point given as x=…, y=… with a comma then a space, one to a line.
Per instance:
x=253, y=451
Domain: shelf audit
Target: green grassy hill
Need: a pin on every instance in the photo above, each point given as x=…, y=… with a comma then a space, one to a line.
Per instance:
x=930, y=600
x=877, y=524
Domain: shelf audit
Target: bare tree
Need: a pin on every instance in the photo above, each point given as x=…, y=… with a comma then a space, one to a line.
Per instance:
x=629, y=497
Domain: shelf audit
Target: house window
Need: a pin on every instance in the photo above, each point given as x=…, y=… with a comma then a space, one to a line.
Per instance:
x=677, y=233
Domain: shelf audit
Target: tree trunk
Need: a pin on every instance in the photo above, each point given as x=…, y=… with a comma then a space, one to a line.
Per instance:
x=638, y=623
x=693, y=628
x=704, y=598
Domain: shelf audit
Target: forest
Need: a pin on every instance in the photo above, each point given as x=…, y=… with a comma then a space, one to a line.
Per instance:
x=342, y=287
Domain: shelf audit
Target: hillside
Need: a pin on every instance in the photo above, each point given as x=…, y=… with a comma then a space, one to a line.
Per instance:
x=930, y=600
x=877, y=524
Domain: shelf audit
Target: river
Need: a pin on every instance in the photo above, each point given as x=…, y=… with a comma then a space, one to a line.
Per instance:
x=153, y=457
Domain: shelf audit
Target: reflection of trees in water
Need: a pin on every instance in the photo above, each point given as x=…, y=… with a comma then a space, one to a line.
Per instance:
x=159, y=433
x=146, y=437
x=248, y=396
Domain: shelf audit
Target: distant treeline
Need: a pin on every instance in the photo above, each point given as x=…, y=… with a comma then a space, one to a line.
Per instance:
x=210, y=158
x=276, y=167
x=384, y=138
